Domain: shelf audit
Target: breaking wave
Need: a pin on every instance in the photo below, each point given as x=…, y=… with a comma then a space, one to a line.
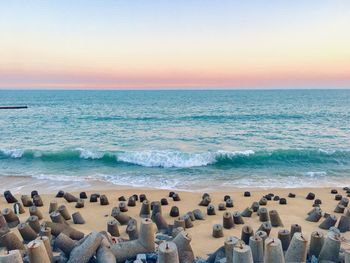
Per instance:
x=178, y=159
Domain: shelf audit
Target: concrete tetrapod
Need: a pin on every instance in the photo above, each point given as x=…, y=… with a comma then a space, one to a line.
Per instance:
x=11, y=241
x=316, y=244
x=297, y=249
x=83, y=252
x=237, y=218
x=26, y=201
x=37, y=201
x=191, y=215
x=56, y=217
x=247, y=232
x=344, y=224
x=57, y=228
x=168, y=253
x=65, y=243
x=156, y=208
x=217, y=231
x=62, y=209
x=18, y=208
x=47, y=245
x=247, y=212
x=80, y=203
x=132, y=230
x=145, y=211
x=176, y=231
x=328, y=222
x=78, y=218
x=10, y=217
x=180, y=222
x=256, y=244
x=263, y=214
x=13, y=256
x=198, y=215
x=112, y=227
x=122, y=218
x=69, y=197
x=255, y=206
x=262, y=234
x=229, y=244
x=123, y=207
x=275, y=218
x=294, y=228
x=331, y=247
x=242, y=253
x=144, y=244
x=34, y=211
x=227, y=220
x=131, y=201
x=37, y=252
x=53, y=206
x=347, y=256
x=27, y=233
x=45, y=231
x=188, y=221
x=161, y=223
x=104, y=200
x=265, y=227
x=104, y=253
x=182, y=241
x=284, y=236
x=273, y=251
x=314, y=215
x=34, y=223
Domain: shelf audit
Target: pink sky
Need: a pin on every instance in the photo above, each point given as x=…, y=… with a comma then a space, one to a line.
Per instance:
x=172, y=45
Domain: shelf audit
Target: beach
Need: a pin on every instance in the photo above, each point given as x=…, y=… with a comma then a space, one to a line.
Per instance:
x=294, y=212
x=174, y=132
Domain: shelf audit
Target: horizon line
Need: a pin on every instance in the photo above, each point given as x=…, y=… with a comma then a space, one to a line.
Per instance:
x=176, y=88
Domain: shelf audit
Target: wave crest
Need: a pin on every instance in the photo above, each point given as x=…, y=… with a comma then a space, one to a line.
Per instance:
x=168, y=159
x=12, y=153
x=178, y=159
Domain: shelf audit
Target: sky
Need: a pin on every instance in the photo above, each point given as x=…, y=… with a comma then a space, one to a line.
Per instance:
x=174, y=44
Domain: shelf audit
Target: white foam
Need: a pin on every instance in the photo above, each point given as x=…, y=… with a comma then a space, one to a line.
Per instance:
x=315, y=174
x=13, y=153
x=168, y=159
x=170, y=181
x=333, y=151
x=234, y=153
x=329, y=152
x=87, y=154
x=59, y=177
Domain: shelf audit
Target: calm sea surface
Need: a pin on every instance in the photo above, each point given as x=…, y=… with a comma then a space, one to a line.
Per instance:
x=179, y=139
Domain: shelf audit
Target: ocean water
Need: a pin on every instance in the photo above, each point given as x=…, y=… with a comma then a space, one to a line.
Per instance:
x=179, y=139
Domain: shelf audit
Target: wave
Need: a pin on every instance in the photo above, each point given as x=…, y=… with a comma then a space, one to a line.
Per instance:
x=178, y=159
x=206, y=117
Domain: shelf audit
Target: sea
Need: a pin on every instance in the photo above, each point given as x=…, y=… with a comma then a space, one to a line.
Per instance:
x=178, y=139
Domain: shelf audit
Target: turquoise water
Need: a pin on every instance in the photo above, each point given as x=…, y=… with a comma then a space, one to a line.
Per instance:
x=179, y=139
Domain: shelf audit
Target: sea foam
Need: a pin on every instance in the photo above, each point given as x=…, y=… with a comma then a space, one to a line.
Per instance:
x=179, y=159
x=168, y=159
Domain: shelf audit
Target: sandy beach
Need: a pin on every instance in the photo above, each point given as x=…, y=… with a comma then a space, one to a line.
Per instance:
x=174, y=132
x=294, y=212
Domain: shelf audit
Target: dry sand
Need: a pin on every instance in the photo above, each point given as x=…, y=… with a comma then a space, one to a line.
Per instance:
x=295, y=211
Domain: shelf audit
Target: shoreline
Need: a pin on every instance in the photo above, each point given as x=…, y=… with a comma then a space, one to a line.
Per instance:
x=18, y=184
x=96, y=216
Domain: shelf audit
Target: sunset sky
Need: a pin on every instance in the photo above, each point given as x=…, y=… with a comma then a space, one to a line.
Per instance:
x=174, y=44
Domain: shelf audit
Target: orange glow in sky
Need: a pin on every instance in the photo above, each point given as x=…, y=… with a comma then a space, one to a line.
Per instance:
x=185, y=44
